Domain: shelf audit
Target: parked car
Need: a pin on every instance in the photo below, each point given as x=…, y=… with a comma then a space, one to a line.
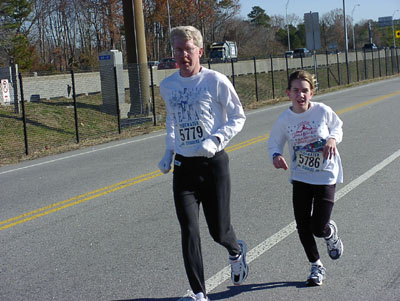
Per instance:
x=369, y=47
x=301, y=52
x=333, y=51
x=289, y=54
x=167, y=63
x=153, y=63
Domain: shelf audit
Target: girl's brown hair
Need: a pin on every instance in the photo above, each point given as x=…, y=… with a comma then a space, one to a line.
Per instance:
x=302, y=75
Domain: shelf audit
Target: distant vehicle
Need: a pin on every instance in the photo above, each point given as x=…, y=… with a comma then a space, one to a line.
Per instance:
x=222, y=52
x=369, y=47
x=167, y=63
x=333, y=51
x=153, y=63
x=301, y=52
x=289, y=54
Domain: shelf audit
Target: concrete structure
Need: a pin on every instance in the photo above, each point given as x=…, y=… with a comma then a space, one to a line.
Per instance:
x=107, y=61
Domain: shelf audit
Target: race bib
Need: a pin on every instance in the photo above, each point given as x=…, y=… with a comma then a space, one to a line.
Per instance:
x=309, y=161
x=191, y=133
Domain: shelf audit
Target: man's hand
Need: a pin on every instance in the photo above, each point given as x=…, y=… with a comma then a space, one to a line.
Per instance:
x=165, y=164
x=208, y=147
x=280, y=162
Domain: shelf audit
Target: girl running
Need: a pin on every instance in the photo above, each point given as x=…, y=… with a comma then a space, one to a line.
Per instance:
x=312, y=131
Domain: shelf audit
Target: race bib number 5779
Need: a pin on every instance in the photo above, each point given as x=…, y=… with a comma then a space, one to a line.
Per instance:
x=309, y=161
x=191, y=133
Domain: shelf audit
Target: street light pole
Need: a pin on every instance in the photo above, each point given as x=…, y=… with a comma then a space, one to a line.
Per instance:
x=287, y=25
x=169, y=27
x=394, y=39
x=352, y=25
x=346, y=42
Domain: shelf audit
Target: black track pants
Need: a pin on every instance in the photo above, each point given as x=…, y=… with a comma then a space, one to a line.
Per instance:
x=203, y=180
x=312, y=206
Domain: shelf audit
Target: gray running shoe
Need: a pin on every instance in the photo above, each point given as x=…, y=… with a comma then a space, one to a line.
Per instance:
x=334, y=243
x=317, y=275
x=239, y=267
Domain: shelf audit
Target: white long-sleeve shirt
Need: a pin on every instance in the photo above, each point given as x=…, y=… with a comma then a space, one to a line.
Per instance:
x=306, y=134
x=198, y=107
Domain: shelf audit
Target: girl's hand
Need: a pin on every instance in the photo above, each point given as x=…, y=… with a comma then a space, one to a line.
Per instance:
x=330, y=148
x=280, y=162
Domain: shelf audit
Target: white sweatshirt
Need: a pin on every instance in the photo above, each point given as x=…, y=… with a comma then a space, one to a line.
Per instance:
x=198, y=107
x=306, y=134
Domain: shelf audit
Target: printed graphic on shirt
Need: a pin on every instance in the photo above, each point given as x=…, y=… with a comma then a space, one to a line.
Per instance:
x=188, y=110
x=307, y=146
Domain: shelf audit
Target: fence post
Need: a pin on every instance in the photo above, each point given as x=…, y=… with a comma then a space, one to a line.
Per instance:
x=233, y=74
x=365, y=65
x=358, y=73
x=23, y=113
x=255, y=76
x=373, y=63
x=117, y=99
x=209, y=64
x=347, y=69
x=327, y=68
x=386, y=62
x=152, y=96
x=301, y=59
x=379, y=63
x=75, y=106
x=392, y=58
x=338, y=68
x=287, y=68
x=272, y=78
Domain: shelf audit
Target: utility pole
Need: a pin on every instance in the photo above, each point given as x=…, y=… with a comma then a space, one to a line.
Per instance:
x=137, y=58
x=352, y=26
x=287, y=26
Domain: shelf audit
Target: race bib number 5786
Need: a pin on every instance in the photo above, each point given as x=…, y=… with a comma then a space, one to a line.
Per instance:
x=309, y=161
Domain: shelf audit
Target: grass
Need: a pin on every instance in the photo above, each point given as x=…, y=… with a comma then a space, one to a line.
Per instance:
x=51, y=123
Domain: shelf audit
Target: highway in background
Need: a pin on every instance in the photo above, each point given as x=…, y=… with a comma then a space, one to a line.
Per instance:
x=100, y=224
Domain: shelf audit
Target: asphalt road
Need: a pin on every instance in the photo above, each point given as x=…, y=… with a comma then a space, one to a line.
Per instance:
x=100, y=224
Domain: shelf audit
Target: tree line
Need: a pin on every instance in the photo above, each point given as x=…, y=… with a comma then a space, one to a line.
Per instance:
x=56, y=35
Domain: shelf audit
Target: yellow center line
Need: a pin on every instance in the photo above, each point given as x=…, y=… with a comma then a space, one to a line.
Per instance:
x=75, y=198
x=142, y=178
x=363, y=104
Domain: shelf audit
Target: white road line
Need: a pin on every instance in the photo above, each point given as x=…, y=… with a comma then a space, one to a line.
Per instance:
x=271, y=241
x=81, y=154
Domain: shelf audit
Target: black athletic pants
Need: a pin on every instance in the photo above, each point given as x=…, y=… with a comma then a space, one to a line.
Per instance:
x=312, y=206
x=203, y=180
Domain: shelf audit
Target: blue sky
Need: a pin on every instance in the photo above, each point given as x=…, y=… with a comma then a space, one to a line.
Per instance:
x=368, y=9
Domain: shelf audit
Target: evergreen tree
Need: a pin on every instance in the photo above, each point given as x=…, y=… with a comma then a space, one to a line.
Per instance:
x=258, y=17
x=13, y=36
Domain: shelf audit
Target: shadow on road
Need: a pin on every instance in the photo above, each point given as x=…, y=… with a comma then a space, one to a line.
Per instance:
x=234, y=291
x=237, y=290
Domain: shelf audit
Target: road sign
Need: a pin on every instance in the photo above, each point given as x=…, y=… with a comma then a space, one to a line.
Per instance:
x=6, y=91
x=313, y=39
x=398, y=34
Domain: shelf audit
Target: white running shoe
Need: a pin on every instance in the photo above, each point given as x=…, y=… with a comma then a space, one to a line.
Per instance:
x=239, y=267
x=334, y=243
x=197, y=297
x=317, y=275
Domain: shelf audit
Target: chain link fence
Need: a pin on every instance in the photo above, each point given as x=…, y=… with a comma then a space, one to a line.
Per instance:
x=58, y=112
